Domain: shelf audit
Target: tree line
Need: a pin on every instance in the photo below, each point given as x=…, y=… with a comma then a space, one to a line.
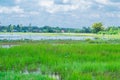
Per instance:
x=95, y=28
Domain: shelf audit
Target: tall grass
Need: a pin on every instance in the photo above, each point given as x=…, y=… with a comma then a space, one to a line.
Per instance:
x=82, y=61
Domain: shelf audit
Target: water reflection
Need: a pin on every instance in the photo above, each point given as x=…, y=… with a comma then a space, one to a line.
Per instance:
x=41, y=37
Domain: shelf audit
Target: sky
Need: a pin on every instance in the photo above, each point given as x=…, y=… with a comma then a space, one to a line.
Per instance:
x=62, y=13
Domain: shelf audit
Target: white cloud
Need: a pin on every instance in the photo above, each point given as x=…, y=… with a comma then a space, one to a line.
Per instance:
x=114, y=15
x=46, y=3
x=58, y=8
x=65, y=1
x=17, y=1
x=94, y=15
x=34, y=13
x=103, y=1
x=9, y=10
x=108, y=2
x=51, y=7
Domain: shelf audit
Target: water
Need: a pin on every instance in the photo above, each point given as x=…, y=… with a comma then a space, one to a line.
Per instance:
x=41, y=37
x=7, y=45
x=38, y=72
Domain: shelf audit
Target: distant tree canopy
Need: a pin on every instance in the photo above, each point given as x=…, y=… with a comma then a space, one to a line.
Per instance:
x=10, y=28
x=86, y=30
x=97, y=27
x=30, y=28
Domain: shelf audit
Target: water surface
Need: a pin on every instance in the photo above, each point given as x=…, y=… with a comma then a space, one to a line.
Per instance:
x=41, y=37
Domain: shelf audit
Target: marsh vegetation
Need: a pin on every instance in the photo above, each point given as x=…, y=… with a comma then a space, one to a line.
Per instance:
x=61, y=60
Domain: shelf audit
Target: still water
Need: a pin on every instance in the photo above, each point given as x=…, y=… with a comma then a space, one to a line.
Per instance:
x=41, y=37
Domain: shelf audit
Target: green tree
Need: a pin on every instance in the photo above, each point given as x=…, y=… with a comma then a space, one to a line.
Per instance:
x=96, y=27
x=10, y=28
x=19, y=27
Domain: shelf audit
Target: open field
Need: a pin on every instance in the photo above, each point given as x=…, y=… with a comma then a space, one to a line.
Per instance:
x=56, y=60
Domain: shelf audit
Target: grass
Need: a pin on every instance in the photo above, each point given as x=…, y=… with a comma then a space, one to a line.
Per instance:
x=71, y=60
x=18, y=76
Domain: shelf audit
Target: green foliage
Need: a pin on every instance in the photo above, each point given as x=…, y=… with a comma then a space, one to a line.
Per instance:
x=97, y=27
x=110, y=30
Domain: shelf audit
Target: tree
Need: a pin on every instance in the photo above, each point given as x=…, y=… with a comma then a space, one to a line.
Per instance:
x=30, y=27
x=97, y=27
x=19, y=27
x=0, y=27
x=86, y=30
x=10, y=28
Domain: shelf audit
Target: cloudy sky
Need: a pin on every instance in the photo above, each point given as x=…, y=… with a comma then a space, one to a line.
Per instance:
x=63, y=13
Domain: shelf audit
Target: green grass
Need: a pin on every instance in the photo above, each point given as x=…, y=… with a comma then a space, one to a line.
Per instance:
x=71, y=60
x=18, y=76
